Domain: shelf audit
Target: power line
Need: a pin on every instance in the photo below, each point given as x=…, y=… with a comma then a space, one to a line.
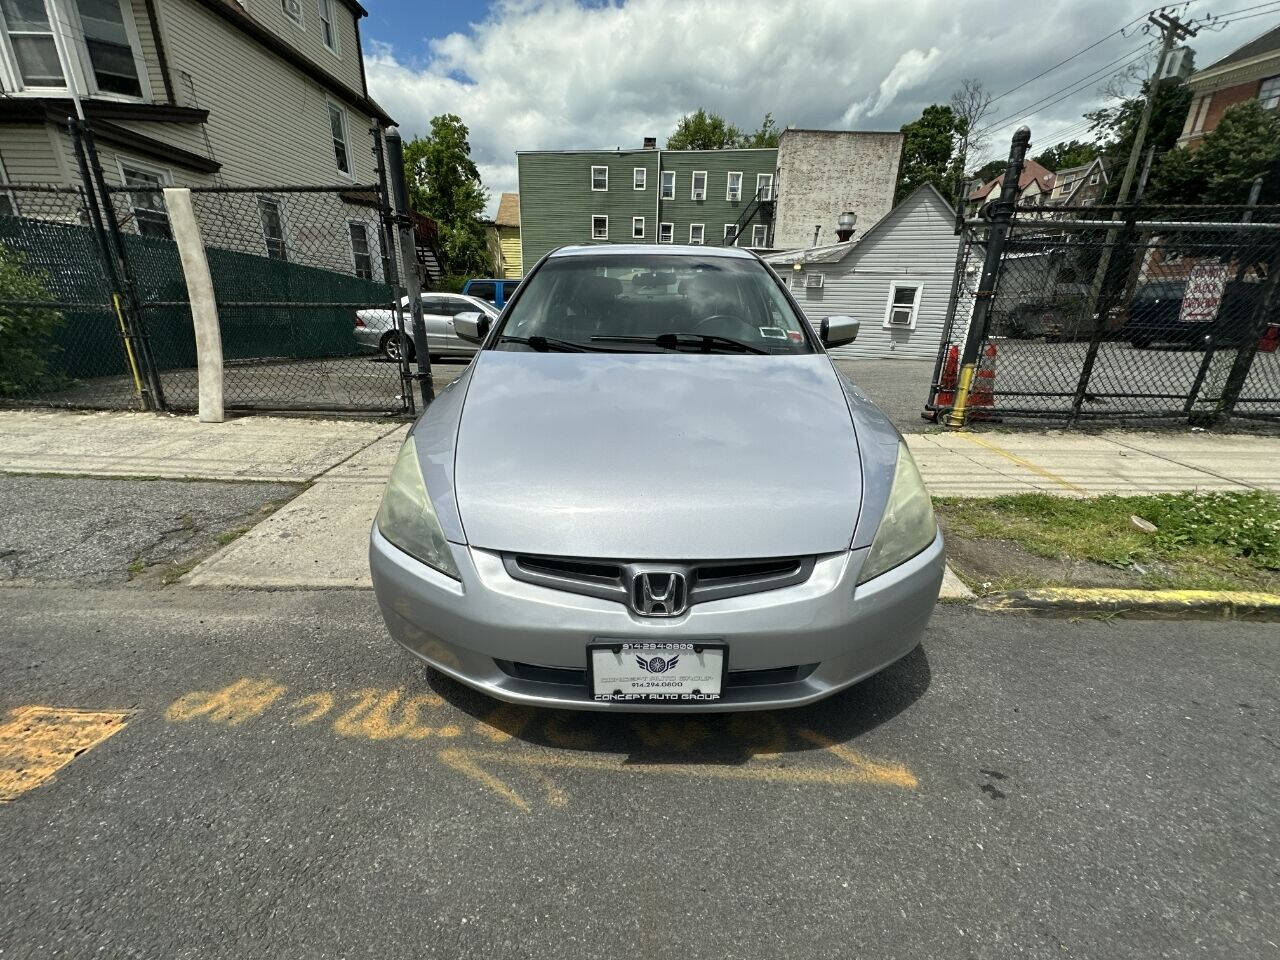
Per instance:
x=1031, y=109
x=1060, y=63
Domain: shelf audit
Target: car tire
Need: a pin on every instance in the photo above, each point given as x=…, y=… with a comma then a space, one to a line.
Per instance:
x=391, y=344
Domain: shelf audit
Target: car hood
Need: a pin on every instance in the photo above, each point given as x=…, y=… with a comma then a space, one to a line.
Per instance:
x=657, y=456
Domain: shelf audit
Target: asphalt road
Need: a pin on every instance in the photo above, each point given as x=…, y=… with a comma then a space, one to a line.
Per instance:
x=281, y=780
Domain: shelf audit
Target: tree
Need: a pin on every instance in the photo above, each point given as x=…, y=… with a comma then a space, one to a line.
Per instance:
x=1062, y=156
x=767, y=136
x=927, y=147
x=969, y=104
x=704, y=131
x=701, y=130
x=444, y=184
x=989, y=170
x=1117, y=126
x=1245, y=145
x=28, y=347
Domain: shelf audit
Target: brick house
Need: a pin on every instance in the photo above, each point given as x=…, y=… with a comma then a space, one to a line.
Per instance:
x=1250, y=71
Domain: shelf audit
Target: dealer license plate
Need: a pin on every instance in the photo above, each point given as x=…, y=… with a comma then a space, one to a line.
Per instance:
x=656, y=672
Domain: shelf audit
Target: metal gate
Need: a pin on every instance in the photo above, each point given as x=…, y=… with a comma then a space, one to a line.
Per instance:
x=92, y=272
x=1134, y=313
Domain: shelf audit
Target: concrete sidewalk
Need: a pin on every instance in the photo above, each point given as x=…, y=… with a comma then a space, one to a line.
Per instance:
x=319, y=538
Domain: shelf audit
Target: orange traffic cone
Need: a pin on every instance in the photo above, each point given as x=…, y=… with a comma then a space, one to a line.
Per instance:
x=950, y=374
x=984, y=379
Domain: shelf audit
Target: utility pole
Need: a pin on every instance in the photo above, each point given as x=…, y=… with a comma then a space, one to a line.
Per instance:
x=409, y=264
x=1172, y=30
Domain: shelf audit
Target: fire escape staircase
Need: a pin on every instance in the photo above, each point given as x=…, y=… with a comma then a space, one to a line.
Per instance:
x=763, y=203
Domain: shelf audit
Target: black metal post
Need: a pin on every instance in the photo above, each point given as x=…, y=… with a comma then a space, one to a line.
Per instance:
x=1121, y=240
x=409, y=260
x=130, y=303
x=1000, y=214
x=389, y=268
x=1263, y=311
x=128, y=329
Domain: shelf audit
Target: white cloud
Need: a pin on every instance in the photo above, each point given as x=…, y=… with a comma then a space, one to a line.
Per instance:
x=550, y=74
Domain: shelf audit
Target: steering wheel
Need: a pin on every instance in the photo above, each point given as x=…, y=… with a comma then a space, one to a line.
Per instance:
x=701, y=325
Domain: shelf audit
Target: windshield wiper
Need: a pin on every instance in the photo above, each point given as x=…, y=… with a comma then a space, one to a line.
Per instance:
x=677, y=341
x=548, y=344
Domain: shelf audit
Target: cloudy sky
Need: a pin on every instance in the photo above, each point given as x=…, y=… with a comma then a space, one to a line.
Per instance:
x=550, y=74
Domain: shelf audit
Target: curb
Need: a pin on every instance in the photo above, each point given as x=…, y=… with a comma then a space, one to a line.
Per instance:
x=1166, y=604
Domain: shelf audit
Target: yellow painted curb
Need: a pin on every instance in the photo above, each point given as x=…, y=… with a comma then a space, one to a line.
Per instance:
x=1218, y=604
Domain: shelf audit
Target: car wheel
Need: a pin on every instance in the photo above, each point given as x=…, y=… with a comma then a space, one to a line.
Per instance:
x=391, y=346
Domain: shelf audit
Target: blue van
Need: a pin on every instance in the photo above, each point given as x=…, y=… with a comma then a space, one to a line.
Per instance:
x=497, y=292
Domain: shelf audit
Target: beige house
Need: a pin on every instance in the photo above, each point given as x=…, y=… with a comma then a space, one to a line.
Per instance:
x=509, y=264
x=199, y=93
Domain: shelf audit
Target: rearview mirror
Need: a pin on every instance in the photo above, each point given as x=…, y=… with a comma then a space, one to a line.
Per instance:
x=472, y=326
x=838, y=330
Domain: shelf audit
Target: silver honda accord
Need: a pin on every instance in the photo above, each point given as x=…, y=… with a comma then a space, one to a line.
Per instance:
x=652, y=490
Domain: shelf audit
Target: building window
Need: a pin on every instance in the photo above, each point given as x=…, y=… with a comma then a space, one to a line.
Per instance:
x=272, y=228
x=99, y=32
x=1093, y=180
x=360, y=255
x=599, y=178
x=637, y=228
x=147, y=201
x=338, y=127
x=733, y=187
x=599, y=228
x=666, y=232
x=1202, y=111
x=764, y=186
x=698, y=189
x=668, y=184
x=759, y=235
x=696, y=233
x=1269, y=93
x=903, y=305
x=328, y=29
x=31, y=39
x=639, y=176
x=730, y=234
x=293, y=10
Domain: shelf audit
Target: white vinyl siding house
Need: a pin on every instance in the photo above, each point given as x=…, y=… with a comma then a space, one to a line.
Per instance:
x=895, y=279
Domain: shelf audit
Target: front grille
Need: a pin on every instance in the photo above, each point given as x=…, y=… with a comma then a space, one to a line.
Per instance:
x=569, y=677
x=622, y=580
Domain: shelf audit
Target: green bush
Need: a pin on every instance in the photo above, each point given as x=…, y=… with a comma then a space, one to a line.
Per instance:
x=27, y=334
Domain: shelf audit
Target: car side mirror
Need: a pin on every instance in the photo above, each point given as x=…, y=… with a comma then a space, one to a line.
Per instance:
x=838, y=330
x=472, y=326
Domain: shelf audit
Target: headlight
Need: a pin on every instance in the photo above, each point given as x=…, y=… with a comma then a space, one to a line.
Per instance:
x=907, y=526
x=406, y=516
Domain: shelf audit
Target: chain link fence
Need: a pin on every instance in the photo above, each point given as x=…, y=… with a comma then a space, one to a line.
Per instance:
x=61, y=340
x=94, y=309
x=1131, y=314
x=292, y=267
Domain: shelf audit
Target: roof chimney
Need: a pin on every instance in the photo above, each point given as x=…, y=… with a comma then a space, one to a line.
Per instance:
x=651, y=143
x=844, y=225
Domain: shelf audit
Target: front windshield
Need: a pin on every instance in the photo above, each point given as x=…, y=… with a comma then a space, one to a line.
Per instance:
x=654, y=303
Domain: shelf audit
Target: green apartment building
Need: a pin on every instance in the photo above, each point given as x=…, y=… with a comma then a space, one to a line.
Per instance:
x=712, y=197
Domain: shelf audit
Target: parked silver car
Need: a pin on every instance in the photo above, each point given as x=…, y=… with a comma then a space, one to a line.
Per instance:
x=375, y=328
x=653, y=490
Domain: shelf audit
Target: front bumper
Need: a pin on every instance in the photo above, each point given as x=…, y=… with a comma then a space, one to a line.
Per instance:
x=834, y=631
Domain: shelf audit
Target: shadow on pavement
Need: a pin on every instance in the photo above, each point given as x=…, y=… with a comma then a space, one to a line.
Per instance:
x=732, y=738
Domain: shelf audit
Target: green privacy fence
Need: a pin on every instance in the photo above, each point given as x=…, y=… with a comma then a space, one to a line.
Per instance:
x=68, y=261
x=268, y=309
